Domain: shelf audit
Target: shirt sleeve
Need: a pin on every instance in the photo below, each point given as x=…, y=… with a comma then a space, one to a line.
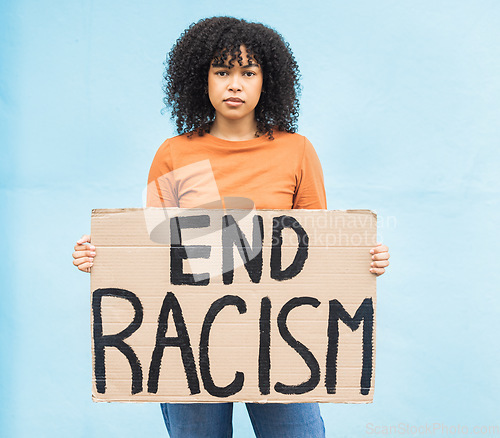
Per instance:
x=161, y=190
x=310, y=189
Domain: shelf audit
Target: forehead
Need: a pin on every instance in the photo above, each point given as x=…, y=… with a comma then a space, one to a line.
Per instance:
x=228, y=57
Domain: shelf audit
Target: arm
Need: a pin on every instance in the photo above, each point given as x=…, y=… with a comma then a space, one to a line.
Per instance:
x=310, y=193
x=310, y=189
x=160, y=193
x=161, y=190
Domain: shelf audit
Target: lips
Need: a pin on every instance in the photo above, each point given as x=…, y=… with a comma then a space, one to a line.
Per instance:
x=234, y=102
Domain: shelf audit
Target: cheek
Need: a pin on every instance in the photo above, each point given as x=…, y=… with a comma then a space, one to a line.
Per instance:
x=212, y=92
x=212, y=83
x=209, y=87
x=260, y=86
x=212, y=99
x=258, y=92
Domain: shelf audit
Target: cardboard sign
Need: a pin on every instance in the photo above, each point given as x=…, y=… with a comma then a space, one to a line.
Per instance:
x=233, y=305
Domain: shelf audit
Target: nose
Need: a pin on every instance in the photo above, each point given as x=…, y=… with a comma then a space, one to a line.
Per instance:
x=234, y=83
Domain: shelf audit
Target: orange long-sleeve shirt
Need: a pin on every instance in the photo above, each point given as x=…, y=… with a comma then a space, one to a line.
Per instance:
x=284, y=173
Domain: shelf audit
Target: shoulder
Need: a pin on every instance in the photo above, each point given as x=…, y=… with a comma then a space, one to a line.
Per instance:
x=297, y=142
x=174, y=143
x=288, y=136
x=292, y=140
x=163, y=156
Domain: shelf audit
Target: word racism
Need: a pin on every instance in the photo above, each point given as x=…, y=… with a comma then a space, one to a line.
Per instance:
x=205, y=333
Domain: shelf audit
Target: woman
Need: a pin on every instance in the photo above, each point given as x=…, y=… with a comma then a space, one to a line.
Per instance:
x=232, y=87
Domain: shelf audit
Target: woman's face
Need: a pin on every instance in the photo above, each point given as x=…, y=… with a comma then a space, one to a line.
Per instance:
x=234, y=92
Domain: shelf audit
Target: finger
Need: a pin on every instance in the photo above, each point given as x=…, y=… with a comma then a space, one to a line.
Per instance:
x=83, y=239
x=377, y=271
x=80, y=261
x=87, y=253
x=381, y=256
x=85, y=267
x=382, y=264
x=379, y=248
x=84, y=247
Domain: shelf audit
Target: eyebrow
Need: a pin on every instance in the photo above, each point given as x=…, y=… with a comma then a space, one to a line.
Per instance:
x=219, y=65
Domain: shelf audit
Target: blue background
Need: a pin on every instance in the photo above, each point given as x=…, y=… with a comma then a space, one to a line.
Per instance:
x=401, y=100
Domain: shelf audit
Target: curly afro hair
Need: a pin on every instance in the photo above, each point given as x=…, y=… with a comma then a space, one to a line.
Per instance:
x=214, y=40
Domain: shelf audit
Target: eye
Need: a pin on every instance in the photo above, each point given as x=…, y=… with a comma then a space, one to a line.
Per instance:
x=221, y=73
x=249, y=73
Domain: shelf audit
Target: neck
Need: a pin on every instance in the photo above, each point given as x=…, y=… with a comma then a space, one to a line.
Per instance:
x=234, y=130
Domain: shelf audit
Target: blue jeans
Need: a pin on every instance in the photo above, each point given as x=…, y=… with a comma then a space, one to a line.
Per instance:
x=271, y=420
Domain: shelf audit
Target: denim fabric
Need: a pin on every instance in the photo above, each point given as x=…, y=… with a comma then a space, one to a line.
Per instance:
x=271, y=420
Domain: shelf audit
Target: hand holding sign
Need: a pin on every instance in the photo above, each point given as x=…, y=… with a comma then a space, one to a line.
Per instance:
x=380, y=259
x=84, y=254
